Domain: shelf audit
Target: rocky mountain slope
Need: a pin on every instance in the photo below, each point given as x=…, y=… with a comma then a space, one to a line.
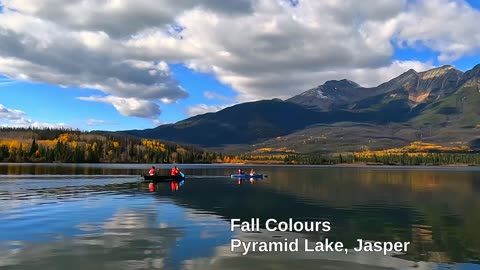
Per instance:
x=411, y=88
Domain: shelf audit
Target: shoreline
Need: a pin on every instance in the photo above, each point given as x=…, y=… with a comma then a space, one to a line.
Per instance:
x=256, y=163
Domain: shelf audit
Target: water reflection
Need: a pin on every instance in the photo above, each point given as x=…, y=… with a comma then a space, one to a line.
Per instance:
x=174, y=185
x=247, y=180
x=117, y=223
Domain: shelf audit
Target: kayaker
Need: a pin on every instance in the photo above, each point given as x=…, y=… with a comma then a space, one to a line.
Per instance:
x=252, y=172
x=152, y=171
x=240, y=171
x=174, y=171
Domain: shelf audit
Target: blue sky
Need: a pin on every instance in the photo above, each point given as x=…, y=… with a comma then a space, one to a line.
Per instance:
x=110, y=71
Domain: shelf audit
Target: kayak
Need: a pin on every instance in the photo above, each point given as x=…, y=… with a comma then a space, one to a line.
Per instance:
x=163, y=178
x=256, y=175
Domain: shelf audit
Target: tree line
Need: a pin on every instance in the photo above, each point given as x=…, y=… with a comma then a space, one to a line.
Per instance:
x=405, y=159
x=74, y=146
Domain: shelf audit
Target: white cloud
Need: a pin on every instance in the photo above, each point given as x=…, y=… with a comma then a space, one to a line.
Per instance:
x=204, y=108
x=44, y=50
x=262, y=48
x=158, y=122
x=373, y=76
x=10, y=114
x=17, y=118
x=445, y=26
x=119, y=18
x=94, y=122
x=214, y=95
x=129, y=106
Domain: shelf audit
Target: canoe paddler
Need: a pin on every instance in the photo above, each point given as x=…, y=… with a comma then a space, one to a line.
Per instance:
x=174, y=171
x=152, y=171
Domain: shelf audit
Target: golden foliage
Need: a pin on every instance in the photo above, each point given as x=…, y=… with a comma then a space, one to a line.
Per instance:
x=15, y=144
x=47, y=143
x=154, y=145
x=264, y=150
x=412, y=150
x=74, y=144
x=115, y=144
x=270, y=150
x=63, y=137
x=286, y=150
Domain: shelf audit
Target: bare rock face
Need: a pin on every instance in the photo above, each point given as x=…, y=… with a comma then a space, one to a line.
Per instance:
x=412, y=87
x=433, y=84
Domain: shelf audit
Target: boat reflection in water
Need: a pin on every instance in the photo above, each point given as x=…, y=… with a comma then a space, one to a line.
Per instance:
x=250, y=180
x=174, y=185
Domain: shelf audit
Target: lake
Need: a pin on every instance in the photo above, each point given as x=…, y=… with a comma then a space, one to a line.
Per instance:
x=98, y=216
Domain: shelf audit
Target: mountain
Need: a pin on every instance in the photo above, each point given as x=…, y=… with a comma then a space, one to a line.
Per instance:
x=460, y=108
x=331, y=95
x=441, y=105
x=239, y=124
x=409, y=89
x=444, y=108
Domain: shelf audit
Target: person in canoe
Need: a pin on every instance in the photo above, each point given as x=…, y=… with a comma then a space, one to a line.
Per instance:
x=174, y=171
x=240, y=171
x=252, y=172
x=152, y=171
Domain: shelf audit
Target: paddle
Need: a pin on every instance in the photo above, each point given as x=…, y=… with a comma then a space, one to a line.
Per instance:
x=182, y=174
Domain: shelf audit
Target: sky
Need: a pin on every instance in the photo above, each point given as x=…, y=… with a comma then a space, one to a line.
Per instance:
x=118, y=64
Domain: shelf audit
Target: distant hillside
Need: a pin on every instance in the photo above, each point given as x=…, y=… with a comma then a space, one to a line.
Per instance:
x=255, y=122
x=239, y=124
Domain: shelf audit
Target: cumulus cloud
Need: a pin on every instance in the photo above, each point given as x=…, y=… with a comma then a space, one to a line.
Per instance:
x=43, y=50
x=204, y=108
x=282, y=50
x=121, y=18
x=262, y=48
x=129, y=106
x=17, y=118
x=445, y=26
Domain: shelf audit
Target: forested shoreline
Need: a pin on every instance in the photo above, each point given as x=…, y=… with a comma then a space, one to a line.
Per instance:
x=74, y=146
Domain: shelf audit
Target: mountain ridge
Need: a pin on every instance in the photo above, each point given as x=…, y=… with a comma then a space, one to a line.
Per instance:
x=439, y=98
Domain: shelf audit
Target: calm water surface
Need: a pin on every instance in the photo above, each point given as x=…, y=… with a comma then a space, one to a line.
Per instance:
x=99, y=217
